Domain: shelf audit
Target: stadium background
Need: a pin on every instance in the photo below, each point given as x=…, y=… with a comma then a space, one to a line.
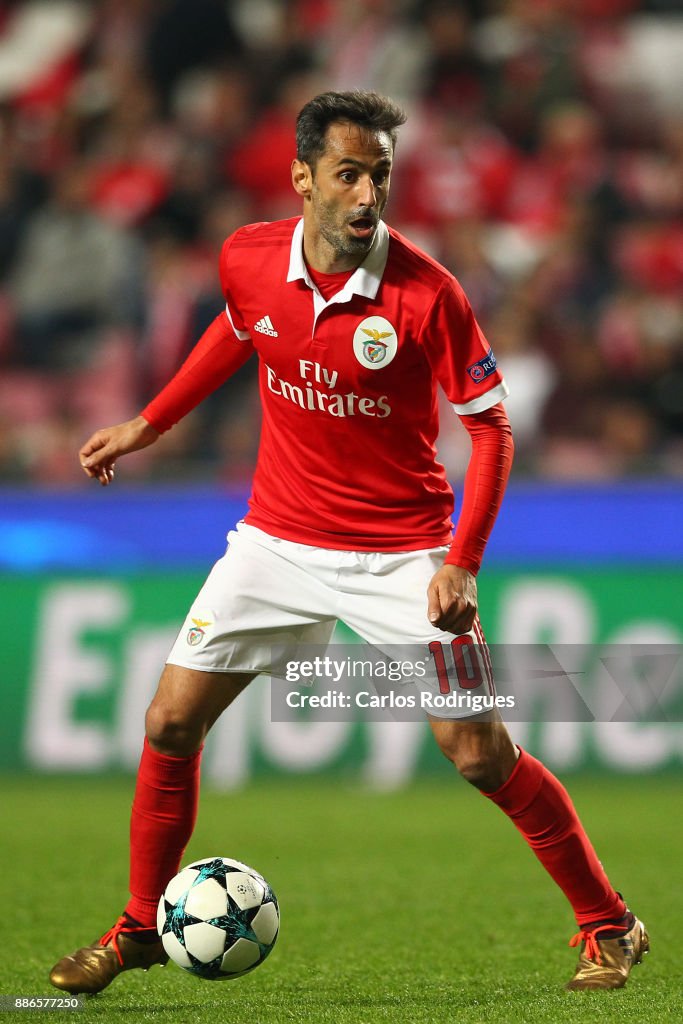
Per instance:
x=542, y=163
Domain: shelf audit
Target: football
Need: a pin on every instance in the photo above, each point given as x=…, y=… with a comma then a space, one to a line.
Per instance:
x=218, y=918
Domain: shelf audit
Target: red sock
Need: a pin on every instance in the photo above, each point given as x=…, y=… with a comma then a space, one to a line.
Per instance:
x=542, y=810
x=162, y=820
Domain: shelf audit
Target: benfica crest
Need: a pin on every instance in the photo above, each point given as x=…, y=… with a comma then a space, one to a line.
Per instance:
x=197, y=631
x=375, y=342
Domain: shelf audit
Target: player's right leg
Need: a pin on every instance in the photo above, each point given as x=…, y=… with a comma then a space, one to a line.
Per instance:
x=384, y=602
x=185, y=706
x=262, y=593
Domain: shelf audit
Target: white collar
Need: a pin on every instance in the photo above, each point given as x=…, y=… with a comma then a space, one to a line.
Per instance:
x=365, y=280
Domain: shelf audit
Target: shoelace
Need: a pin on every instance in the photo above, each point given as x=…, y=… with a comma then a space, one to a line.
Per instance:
x=592, y=943
x=122, y=925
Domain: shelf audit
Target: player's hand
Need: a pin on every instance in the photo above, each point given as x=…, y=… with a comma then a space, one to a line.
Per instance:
x=452, y=596
x=100, y=452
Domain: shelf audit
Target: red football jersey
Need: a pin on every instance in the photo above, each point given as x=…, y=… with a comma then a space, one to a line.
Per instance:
x=349, y=388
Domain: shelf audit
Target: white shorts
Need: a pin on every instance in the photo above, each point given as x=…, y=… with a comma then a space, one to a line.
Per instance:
x=266, y=592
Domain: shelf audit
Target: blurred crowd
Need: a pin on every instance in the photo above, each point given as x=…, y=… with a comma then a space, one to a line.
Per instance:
x=542, y=163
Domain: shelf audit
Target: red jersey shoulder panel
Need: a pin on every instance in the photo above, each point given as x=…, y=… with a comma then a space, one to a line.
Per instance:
x=412, y=264
x=273, y=234
x=243, y=256
x=265, y=232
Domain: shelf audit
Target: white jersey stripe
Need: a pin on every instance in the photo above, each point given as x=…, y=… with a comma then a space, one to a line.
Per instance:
x=485, y=401
x=242, y=335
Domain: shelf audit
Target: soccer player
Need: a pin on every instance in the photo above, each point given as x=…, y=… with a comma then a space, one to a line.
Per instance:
x=349, y=518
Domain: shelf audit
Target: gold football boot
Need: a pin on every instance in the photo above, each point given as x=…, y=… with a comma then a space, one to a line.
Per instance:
x=607, y=962
x=92, y=968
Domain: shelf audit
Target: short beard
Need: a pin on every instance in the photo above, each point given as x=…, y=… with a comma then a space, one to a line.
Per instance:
x=346, y=245
x=341, y=243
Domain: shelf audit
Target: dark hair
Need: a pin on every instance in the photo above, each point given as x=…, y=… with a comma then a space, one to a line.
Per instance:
x=367, y=109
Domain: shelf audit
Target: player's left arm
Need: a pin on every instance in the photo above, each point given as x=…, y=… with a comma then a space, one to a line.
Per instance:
x=452, y=592
x=464, y=365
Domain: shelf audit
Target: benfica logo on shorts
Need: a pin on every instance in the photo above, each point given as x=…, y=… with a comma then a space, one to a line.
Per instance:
x=375, y=342
x=196, y=633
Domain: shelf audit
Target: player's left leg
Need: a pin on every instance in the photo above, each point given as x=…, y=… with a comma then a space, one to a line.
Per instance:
x=612, y=938
x=383, y=597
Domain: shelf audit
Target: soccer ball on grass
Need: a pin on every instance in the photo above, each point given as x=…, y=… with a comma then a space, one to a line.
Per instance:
x=218, y=918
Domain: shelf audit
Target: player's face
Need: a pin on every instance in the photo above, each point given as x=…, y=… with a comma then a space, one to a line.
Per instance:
x=350, y=188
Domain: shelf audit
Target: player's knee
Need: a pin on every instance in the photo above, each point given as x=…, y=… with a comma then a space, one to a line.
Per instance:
x=478, y=763
x=482, y=771
x=168, y=732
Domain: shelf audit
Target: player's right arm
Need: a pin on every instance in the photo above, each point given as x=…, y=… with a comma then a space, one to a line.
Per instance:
x=216, y=356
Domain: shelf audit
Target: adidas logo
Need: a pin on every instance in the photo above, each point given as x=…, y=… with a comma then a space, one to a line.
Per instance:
x=265, y=326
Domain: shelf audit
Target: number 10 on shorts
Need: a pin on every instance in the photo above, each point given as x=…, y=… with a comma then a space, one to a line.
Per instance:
x=466, y=657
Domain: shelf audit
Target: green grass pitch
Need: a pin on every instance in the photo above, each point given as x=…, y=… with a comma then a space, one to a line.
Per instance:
x=416, y=907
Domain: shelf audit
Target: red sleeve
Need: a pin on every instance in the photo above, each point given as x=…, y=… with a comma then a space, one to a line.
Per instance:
x=485, y=480
x=460, y=356
x=231, y=309
x=216, y=356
